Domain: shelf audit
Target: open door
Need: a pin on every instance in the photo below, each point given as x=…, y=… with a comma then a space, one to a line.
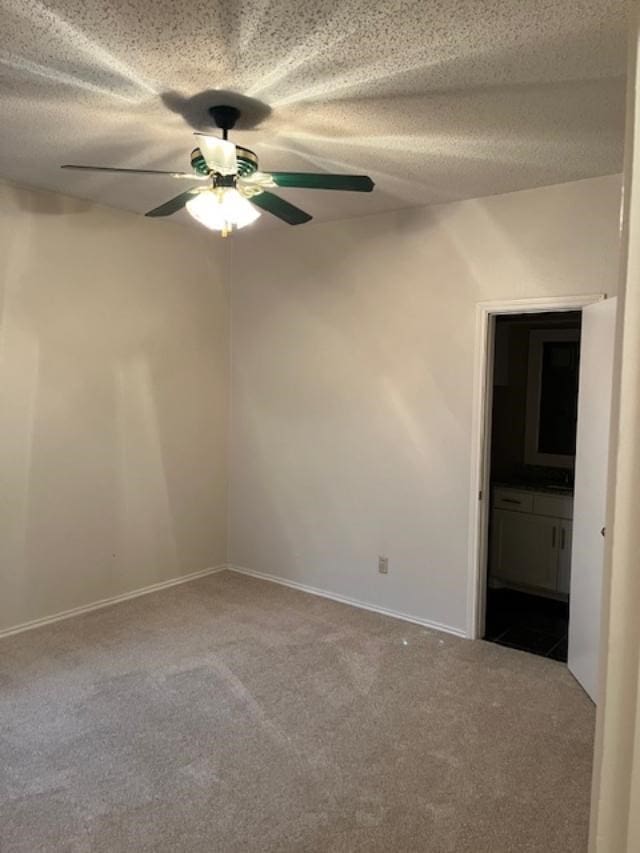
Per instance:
x=590, y=494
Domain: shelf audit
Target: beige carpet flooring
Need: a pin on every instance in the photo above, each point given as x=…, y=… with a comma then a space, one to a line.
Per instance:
x=230, y=714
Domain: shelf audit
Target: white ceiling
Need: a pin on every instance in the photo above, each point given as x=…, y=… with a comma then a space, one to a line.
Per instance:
x=436, y=99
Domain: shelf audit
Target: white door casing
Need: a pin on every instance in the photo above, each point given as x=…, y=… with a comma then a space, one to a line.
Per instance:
x=486, y=312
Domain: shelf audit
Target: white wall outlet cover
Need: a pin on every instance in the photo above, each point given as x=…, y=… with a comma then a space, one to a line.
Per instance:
x=383, y=565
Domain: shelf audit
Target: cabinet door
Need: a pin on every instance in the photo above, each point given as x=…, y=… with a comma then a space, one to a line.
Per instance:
x=524, y=548
x=564, y=557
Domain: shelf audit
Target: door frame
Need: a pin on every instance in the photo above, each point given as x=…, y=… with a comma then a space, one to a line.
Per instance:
x=479, y=495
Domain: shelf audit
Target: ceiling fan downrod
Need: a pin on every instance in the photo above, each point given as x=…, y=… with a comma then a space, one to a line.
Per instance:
x=225, y=117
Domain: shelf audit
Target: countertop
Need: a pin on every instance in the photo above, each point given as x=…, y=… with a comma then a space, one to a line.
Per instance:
x=548, y=488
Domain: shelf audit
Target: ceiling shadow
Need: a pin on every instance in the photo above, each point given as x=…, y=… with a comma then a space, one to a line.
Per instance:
x=195, y=108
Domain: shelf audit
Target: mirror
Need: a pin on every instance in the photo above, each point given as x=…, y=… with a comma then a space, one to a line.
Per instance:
x=552, y=397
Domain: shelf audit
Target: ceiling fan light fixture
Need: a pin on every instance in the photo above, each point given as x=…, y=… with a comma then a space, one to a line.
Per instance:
x=237, y=186
x=222, y=209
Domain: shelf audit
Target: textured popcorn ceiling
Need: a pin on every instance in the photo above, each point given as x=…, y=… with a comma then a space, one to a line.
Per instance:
x=436, y=99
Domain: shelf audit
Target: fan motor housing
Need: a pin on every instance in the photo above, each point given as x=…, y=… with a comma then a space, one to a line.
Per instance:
x=247, y=162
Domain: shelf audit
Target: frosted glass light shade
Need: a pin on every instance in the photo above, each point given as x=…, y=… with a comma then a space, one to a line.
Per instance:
x=222, y=210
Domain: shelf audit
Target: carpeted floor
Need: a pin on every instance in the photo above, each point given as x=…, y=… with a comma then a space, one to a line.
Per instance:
x=230, y=714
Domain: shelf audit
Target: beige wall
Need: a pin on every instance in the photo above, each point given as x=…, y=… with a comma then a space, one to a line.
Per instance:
x=351, y=405
x=352, y=370
x=113, y=403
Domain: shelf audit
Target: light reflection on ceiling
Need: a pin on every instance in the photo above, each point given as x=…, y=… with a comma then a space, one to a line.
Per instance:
x=436, y=101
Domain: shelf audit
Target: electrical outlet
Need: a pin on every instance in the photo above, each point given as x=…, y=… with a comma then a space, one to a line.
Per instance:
x=383, y=565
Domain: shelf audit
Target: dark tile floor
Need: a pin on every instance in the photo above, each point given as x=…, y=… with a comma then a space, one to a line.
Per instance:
x=528, y=622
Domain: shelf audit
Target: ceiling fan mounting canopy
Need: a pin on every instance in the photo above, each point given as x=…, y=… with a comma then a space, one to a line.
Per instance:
x=225, y=117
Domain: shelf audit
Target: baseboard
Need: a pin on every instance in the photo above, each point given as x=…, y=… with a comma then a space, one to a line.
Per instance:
x=107, y=602
x=344, y=599
x=302, y=587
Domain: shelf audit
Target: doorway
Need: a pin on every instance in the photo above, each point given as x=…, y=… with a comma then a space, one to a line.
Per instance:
x=564, y=556
x=532, y=443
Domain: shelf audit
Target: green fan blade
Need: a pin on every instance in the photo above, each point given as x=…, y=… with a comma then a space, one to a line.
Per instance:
x=280, y=208
x=174, y=204
x=320, y=181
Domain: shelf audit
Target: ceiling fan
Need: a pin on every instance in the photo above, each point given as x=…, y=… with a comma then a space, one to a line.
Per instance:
x=231, y=185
